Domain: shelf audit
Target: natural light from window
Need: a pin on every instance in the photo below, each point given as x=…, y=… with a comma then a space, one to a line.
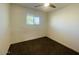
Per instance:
x=32, y=20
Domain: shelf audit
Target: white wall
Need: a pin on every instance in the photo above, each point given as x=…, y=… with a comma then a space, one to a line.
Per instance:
x=64, y=26
x=20, y=30
x=4, y=28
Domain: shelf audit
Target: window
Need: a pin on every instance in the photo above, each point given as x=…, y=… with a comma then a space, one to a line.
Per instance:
x=36, y=20
x=30, y=19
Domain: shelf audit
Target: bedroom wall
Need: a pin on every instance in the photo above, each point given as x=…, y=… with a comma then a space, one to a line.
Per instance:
x=20, y=30
x=64, y=26
x=4, y=28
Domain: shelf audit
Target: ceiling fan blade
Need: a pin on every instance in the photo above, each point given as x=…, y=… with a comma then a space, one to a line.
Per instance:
x=51, y=5
x=38, y=6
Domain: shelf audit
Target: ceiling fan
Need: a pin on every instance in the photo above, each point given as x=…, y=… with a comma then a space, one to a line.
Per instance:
x=46, y=5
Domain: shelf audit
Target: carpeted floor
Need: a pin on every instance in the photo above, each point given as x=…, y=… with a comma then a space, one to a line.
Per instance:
x=40, y=46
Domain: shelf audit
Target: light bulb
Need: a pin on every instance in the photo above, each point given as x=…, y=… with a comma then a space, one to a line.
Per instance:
x=46, y=4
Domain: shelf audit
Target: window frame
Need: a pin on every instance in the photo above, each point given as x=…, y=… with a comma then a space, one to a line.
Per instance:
x=33, y=19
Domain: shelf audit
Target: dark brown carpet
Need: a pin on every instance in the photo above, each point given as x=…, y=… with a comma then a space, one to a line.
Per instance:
x=41, y=46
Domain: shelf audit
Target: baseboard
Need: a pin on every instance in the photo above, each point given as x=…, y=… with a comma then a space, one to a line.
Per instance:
x=29, y=39
x=51, y=39
x=39, y=41
x=63, y=44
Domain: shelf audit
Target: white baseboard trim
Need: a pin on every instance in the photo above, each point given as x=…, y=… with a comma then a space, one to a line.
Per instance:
x=64, y=44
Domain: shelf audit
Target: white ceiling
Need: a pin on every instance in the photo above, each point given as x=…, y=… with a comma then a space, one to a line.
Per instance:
x=44, y=9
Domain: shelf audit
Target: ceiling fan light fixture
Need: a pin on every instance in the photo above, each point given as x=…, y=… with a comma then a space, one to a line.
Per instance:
x=46, y=4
